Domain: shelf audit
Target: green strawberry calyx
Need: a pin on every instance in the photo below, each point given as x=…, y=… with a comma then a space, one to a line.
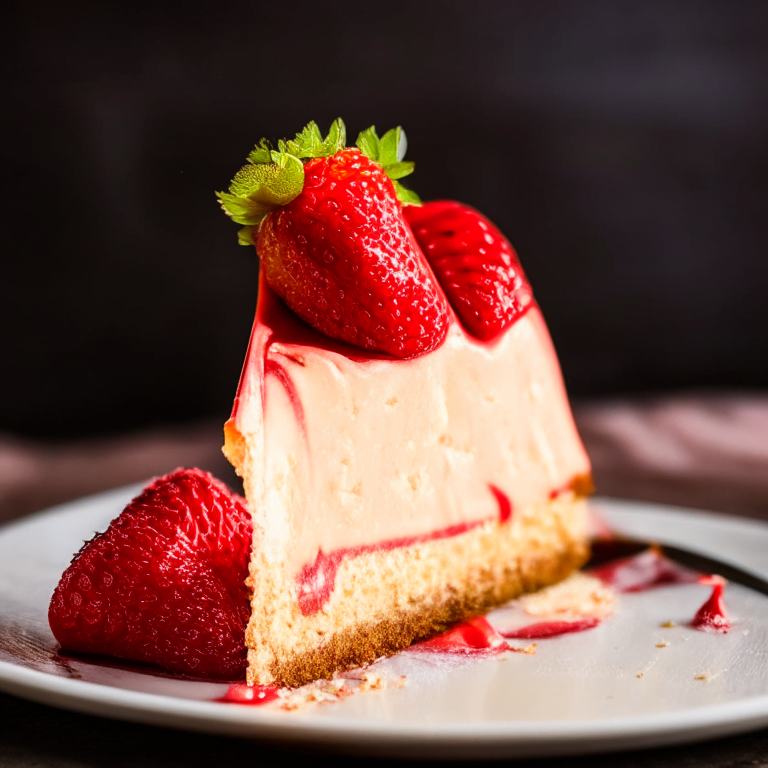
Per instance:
x=389, y=151
x=275, y=176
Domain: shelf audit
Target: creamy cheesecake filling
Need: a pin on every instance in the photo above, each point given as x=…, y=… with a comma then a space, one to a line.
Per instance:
x=347, y=450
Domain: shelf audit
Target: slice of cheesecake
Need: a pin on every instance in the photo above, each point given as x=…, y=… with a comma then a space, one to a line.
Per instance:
x=392, y=495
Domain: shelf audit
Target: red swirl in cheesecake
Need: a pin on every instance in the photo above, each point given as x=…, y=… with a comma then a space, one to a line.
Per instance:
x=316, y=581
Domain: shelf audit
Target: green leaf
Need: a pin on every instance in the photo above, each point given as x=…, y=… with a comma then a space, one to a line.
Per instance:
x=336, y=139
x=402, y=144
x=406, y=196
x=243, y=210
x=261, y=153
x=389, y=150
x=306, y=144
x=246, y=236
x=399, y=170
x=258, y=189
x=309, y=142
x=392, y=146
x=368, y=143
x=275, y=176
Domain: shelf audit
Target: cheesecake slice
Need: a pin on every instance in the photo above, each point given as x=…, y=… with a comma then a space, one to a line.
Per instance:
x=394, y=495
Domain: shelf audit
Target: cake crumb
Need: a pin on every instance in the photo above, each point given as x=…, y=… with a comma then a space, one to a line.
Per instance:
x=579, y=596
x=372, y=681
x=709, y=676
x=662, y=644
x=639, y=675
x=668, y=624
x=341, y=686
x=319, y=692
x=529, y=649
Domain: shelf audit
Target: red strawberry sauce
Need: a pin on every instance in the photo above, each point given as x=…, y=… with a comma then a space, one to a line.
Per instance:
x=651, y=569
x=712, y=616
x=544, y=629
x=471, y=637
x=645, y=571
x=254, y=695
x=478, y=636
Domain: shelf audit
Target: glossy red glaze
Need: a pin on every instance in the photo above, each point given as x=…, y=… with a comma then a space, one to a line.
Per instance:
x=647, y=570
x=474, y=263
x=712, y=616
x=551, y=629
x=252, y=695
x=276, y=324
x=474, y=636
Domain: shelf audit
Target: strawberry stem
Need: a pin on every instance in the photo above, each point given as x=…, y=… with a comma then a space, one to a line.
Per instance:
x=274, y=177
x=389, y=151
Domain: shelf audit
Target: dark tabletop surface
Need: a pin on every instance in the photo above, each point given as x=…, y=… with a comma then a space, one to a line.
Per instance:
x=36, y=736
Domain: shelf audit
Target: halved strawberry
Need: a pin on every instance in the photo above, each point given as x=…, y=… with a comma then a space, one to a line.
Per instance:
x=475, y=264
x=165, y=583
x=328, y=225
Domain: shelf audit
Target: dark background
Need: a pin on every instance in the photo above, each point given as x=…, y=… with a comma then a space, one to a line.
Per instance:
x=623, y=148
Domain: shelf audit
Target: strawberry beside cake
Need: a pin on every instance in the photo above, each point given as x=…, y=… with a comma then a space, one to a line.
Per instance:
x=165, y=583
x=401, y=426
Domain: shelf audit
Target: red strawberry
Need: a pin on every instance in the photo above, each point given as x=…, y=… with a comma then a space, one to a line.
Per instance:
x=165, y=583
x=333, y=241
x=475, y=264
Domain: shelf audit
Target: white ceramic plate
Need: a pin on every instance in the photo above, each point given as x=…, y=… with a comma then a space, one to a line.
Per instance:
x=579, y=693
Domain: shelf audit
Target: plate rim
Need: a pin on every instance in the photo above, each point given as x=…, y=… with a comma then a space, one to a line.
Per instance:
x=527, y=738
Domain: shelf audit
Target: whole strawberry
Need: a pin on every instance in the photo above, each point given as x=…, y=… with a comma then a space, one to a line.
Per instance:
x=474, y=263
x=165, y=583
x=328, y=225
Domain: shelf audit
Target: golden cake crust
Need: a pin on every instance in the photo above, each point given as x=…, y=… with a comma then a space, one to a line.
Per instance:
x=358, y=646
x=384, y=601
